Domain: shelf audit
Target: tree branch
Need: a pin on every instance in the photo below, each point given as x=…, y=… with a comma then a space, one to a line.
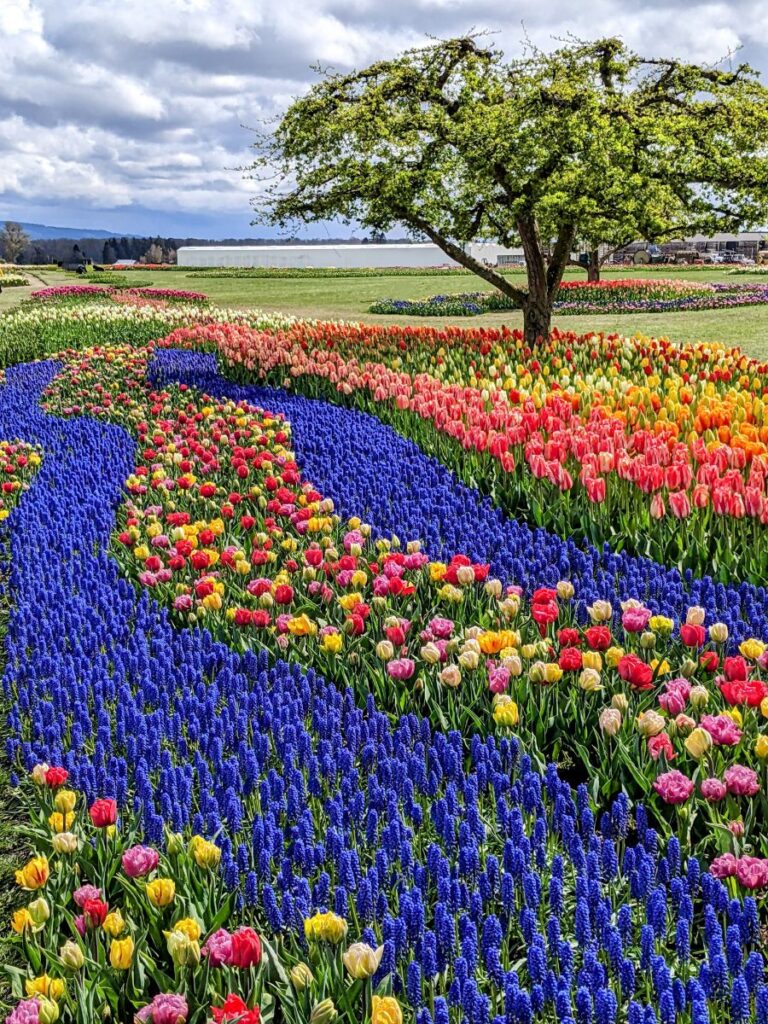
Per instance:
x=450, y=248
x=559, y=257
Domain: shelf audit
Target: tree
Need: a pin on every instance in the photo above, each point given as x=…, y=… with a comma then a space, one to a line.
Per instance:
x=13, y=241
x=591, y=141
x=154, y=253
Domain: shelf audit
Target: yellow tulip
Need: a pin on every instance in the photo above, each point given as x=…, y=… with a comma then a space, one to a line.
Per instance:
x=44, y=985
x=205, y=853
x=114, y=924
x=613, y=656
x=34, y=874
x=323, y=1013
x=698, y=742
x=552, y=672
x=189, y=927
x=327, y=927
x=506, y=712
x=22, y=921
x=61, y=822
x=752, y=648
x=386, y=1010
x=301, y=625
x=47, y=1010
x=301, y=976
x=161, y=891
x=332, y=643
x=761, y=746
x=121, y=953
x=65, y=800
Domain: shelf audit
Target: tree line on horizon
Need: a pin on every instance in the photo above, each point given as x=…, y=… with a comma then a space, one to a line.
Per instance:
x=17, y=247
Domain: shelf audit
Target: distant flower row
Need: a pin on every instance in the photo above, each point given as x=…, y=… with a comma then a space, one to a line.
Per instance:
x=611, y=295
x=90, y=291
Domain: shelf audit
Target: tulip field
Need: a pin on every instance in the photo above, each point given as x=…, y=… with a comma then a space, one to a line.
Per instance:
x=380, y=675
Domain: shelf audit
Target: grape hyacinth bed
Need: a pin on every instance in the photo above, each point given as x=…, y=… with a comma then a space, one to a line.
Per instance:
x=307, y=728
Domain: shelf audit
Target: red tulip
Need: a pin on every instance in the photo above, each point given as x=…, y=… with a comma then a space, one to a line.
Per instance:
x=246, y=948
x=55, y=777
x=103, y=813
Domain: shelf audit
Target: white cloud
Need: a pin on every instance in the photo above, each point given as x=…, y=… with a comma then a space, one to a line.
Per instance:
x=142, y=105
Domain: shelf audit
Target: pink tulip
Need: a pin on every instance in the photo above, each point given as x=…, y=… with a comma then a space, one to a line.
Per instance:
x=139, y=861
x=218, y=948
x=674, y=787
x=741, y=781
x=85, y=893
x=713, y=790
x=752, y=872
x=401, y=668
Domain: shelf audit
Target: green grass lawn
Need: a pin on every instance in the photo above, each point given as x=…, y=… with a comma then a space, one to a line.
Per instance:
x=13, y=296
x=349, y=299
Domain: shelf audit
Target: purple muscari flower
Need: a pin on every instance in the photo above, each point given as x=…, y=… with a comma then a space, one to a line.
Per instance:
x=413, y=984
x=584, y=1006
x=740, y=1005
x=761, y=1005
x=606, y=1007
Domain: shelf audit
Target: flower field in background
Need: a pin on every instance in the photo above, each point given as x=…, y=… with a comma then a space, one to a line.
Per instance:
x=38, y=329
x=612, y=295
x=12, y=279
x=282, y=687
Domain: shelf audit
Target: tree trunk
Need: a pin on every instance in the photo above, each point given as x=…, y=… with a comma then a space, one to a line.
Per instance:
x=537, y=308
x=537, y=321
x=593, y=267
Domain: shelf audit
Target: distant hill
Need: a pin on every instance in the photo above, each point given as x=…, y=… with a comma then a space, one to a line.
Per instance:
x=38, y=232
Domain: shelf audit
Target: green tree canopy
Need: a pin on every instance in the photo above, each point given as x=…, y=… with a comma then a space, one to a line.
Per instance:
x=591, y=141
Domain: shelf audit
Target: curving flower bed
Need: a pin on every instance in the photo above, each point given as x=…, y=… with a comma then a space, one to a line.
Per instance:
x=590, y=453
x=239, y=812
x=612, y=295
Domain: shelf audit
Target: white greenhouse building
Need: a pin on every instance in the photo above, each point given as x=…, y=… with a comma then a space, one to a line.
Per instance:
x=417, y=254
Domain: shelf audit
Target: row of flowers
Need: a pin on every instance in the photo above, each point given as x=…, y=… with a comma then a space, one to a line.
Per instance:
x=9, y=279
x=612, y=295
x=579, y=469
x=90, y=291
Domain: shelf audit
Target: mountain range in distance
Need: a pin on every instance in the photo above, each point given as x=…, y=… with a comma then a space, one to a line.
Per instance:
x=42, y=232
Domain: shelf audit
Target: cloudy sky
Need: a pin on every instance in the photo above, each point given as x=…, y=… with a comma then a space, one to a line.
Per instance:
x=129, y=116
